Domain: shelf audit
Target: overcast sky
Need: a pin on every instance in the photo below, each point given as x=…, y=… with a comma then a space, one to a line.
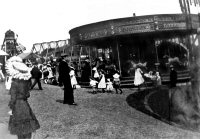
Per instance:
x=37, y=21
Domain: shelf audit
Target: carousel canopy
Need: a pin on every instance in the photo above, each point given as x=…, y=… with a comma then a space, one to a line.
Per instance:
x=2, y=53
x=28, y=55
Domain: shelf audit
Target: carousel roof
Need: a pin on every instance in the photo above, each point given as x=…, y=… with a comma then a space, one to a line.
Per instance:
x=135, y=25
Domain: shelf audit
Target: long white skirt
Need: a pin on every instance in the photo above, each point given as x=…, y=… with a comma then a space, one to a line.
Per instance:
x=73, y=81
x=102, y=83
x=138, y=79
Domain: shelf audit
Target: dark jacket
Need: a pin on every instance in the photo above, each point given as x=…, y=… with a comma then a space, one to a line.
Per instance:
x=22, y=120
x=173, y=78
x=36, y=73
x=64, y=70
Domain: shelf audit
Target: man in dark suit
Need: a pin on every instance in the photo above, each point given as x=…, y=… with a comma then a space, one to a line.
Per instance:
x=173, y=77
x=64, y=76
x=36, y=75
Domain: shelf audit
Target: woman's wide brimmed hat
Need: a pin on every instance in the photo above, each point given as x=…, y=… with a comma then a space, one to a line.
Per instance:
x=16, y=69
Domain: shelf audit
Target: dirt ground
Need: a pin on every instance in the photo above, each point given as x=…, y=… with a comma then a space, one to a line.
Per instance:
x=97, y=116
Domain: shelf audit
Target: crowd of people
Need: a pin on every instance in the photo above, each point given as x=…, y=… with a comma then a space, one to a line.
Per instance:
x=24, y=77
x=100, y=74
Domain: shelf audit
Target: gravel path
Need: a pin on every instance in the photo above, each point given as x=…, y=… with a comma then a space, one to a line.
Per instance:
x=97, y=116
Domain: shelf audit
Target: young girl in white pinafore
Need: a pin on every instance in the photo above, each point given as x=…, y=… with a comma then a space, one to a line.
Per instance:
x=73, y=78
x=109, y=86
x=102, y=82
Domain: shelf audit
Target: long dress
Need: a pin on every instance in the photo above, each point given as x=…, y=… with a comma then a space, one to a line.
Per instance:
x=109, y=86
x=64, y=70
x=138, y=80
x=22, y=121
x=102, y=82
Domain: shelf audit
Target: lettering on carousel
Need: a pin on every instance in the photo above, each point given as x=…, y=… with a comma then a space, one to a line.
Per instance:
x=134, y=29
x=96, y=34
x=153, y=19
x=174, y=25
x=169, y=18
x=138, y=21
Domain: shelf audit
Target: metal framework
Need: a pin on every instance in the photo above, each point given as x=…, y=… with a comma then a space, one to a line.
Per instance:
x=46, y=48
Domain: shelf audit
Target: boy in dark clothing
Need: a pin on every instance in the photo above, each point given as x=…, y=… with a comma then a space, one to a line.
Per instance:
x=36, y=75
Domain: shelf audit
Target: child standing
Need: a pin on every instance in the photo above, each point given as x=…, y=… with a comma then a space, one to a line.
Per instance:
x=109, y=86
x=158, y=79
x=116, y=82
x=73, y=78
x=102, y=82
x=93, y=84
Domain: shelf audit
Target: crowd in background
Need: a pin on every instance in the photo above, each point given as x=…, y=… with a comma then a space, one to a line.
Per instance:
x=101, y=74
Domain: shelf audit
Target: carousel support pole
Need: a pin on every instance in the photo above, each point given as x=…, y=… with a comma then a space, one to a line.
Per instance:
x=71, y=53
x=139, y=54
x=56, y=48
x=90, y=61
x=157, y=59
x=6, y=52
x=59, y=49
x=47, y=54
x=118, y=55
x=80, y=59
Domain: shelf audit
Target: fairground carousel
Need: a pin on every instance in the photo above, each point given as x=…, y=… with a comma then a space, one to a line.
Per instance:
x=157, y=41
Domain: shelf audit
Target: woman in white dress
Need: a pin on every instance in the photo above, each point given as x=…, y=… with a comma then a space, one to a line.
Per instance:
x=138, y=80
x=102, y=82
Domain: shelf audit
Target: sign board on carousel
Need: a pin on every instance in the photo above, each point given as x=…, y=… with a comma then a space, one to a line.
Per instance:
x=133, y=25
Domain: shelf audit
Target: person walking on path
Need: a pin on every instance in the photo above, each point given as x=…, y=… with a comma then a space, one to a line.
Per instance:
x=64, y=76
x=22, y=120
x=173, y=77
x=36, y=76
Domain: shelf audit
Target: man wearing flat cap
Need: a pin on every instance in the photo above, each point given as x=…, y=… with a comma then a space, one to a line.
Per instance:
x=64, y=76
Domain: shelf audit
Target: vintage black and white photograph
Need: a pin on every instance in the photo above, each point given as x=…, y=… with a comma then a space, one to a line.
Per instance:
x=100, y=69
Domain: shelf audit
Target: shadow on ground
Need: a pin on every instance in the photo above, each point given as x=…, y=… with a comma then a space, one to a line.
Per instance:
x=154, y=102
x=59, y=101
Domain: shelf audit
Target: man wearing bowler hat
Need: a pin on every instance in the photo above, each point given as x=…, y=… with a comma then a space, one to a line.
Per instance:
x=64, y=76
